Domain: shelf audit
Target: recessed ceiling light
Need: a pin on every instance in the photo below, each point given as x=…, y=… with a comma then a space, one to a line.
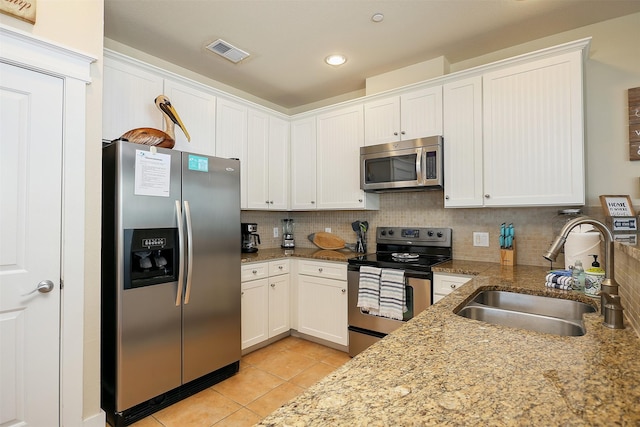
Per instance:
x=335, y=59
x=377, y=17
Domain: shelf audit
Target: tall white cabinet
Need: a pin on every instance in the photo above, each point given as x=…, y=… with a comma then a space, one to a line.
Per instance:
x=533, y=133
x=339, y=138
x=267, y=161
x=303, y=164
x=513, y=134
x=231, y=135
x=463, y=157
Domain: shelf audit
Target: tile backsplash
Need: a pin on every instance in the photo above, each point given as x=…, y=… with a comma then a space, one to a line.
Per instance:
x=534, y=226
x=627, y=267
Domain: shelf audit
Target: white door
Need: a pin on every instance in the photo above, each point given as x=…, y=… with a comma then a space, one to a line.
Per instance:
x=30, y=239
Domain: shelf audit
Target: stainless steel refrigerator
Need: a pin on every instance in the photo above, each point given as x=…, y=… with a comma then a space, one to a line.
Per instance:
x=170, y=277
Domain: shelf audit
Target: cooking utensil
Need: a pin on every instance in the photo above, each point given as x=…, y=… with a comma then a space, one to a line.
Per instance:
x=355, y=225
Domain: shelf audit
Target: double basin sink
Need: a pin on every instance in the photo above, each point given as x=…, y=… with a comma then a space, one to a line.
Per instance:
x=532, y=312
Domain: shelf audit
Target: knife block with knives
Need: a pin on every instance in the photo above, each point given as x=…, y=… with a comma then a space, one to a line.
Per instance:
x=507, y=245
x=508, y=256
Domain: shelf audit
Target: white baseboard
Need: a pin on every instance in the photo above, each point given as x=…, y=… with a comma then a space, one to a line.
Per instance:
x=98, y=420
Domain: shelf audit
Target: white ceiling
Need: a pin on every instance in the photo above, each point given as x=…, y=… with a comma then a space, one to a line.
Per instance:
x=289, y=39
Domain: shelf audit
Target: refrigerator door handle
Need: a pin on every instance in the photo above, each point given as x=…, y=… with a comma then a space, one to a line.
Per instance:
x=181, y=251
x=187, y=214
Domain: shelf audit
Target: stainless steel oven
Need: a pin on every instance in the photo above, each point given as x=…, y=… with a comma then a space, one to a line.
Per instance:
x=414, y=250
x=414, y=164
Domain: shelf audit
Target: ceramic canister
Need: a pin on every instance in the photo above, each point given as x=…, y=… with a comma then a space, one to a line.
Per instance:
x=593, y=281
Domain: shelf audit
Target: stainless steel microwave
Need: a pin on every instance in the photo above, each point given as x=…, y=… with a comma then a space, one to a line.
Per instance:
x=415, y=164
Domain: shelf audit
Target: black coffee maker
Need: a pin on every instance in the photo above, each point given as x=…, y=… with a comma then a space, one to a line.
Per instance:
x=250, y=239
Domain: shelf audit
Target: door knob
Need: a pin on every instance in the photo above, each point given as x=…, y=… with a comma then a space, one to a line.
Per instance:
x=43, y=287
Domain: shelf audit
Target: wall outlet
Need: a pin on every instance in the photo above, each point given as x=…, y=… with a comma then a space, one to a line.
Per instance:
x=480, y=238
x=276, y=230
x=327, y=229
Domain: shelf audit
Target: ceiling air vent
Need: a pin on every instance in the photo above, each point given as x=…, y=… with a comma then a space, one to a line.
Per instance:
x=227, y=51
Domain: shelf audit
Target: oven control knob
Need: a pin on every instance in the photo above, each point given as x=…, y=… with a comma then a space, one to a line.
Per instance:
x=383, y=233
x=390, y=232
x=439, y=234
x=430, y=233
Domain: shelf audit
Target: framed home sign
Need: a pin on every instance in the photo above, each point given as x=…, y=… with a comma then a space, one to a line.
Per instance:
x=617, y=206
x=634, y=123
x=21, y=9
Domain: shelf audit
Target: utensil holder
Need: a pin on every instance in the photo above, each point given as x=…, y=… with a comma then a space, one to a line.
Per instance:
x=508, y=256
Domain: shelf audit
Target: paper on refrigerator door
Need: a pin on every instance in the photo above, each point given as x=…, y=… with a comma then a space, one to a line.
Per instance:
x=152, y=174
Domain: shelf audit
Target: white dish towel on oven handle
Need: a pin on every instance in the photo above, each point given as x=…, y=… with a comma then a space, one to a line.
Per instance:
x=392, y=294
x=369, y=289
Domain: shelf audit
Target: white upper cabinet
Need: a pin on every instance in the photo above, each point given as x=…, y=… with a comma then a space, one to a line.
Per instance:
x=129, y=103
x=462, y=136
x=128, y=99
x=533, y=133
x=513, y=136
x=231, y=138
x=197, y=109
x=267, y=161
x=303, y=164
x=340, y=136
x=414, y=114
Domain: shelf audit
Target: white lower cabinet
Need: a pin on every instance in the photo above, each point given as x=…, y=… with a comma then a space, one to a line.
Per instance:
x=444, y=284
x=322, y=300
x=265, y=301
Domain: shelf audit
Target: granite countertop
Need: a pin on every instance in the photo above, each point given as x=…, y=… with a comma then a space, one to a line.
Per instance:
x=443, y=369
x=314, y=253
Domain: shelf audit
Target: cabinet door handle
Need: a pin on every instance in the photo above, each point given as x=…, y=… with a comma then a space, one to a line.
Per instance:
x=359, y=200
x=271, y=202
x=255, y=271
x=273, y=285
x=402, y=133
x=242, y=293
x=395, y=134
x=486, y=196
x=320, y=270
x=453, y=286
x=446, y=197
x=313, y=202
x=280, y=267
x=344, y=290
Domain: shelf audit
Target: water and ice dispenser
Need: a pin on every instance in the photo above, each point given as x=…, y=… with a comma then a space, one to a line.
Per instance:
x=151, y=256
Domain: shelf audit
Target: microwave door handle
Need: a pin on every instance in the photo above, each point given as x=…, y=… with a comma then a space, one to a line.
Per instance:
x=420, y=166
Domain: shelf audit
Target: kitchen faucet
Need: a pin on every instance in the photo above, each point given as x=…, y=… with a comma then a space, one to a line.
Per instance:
x=609, y=298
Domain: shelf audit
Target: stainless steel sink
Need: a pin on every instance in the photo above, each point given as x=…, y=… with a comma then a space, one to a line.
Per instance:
x=532, y=312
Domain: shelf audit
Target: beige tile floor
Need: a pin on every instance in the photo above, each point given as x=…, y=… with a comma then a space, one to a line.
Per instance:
x=268, y=378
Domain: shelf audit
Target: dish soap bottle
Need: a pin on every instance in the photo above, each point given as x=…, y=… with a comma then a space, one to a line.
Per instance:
x=578, y=276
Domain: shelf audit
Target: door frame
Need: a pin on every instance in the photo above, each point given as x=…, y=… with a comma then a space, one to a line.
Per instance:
x=74, y=68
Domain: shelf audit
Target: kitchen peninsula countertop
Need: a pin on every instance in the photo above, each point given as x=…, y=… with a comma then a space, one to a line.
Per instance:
x=443, y=369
